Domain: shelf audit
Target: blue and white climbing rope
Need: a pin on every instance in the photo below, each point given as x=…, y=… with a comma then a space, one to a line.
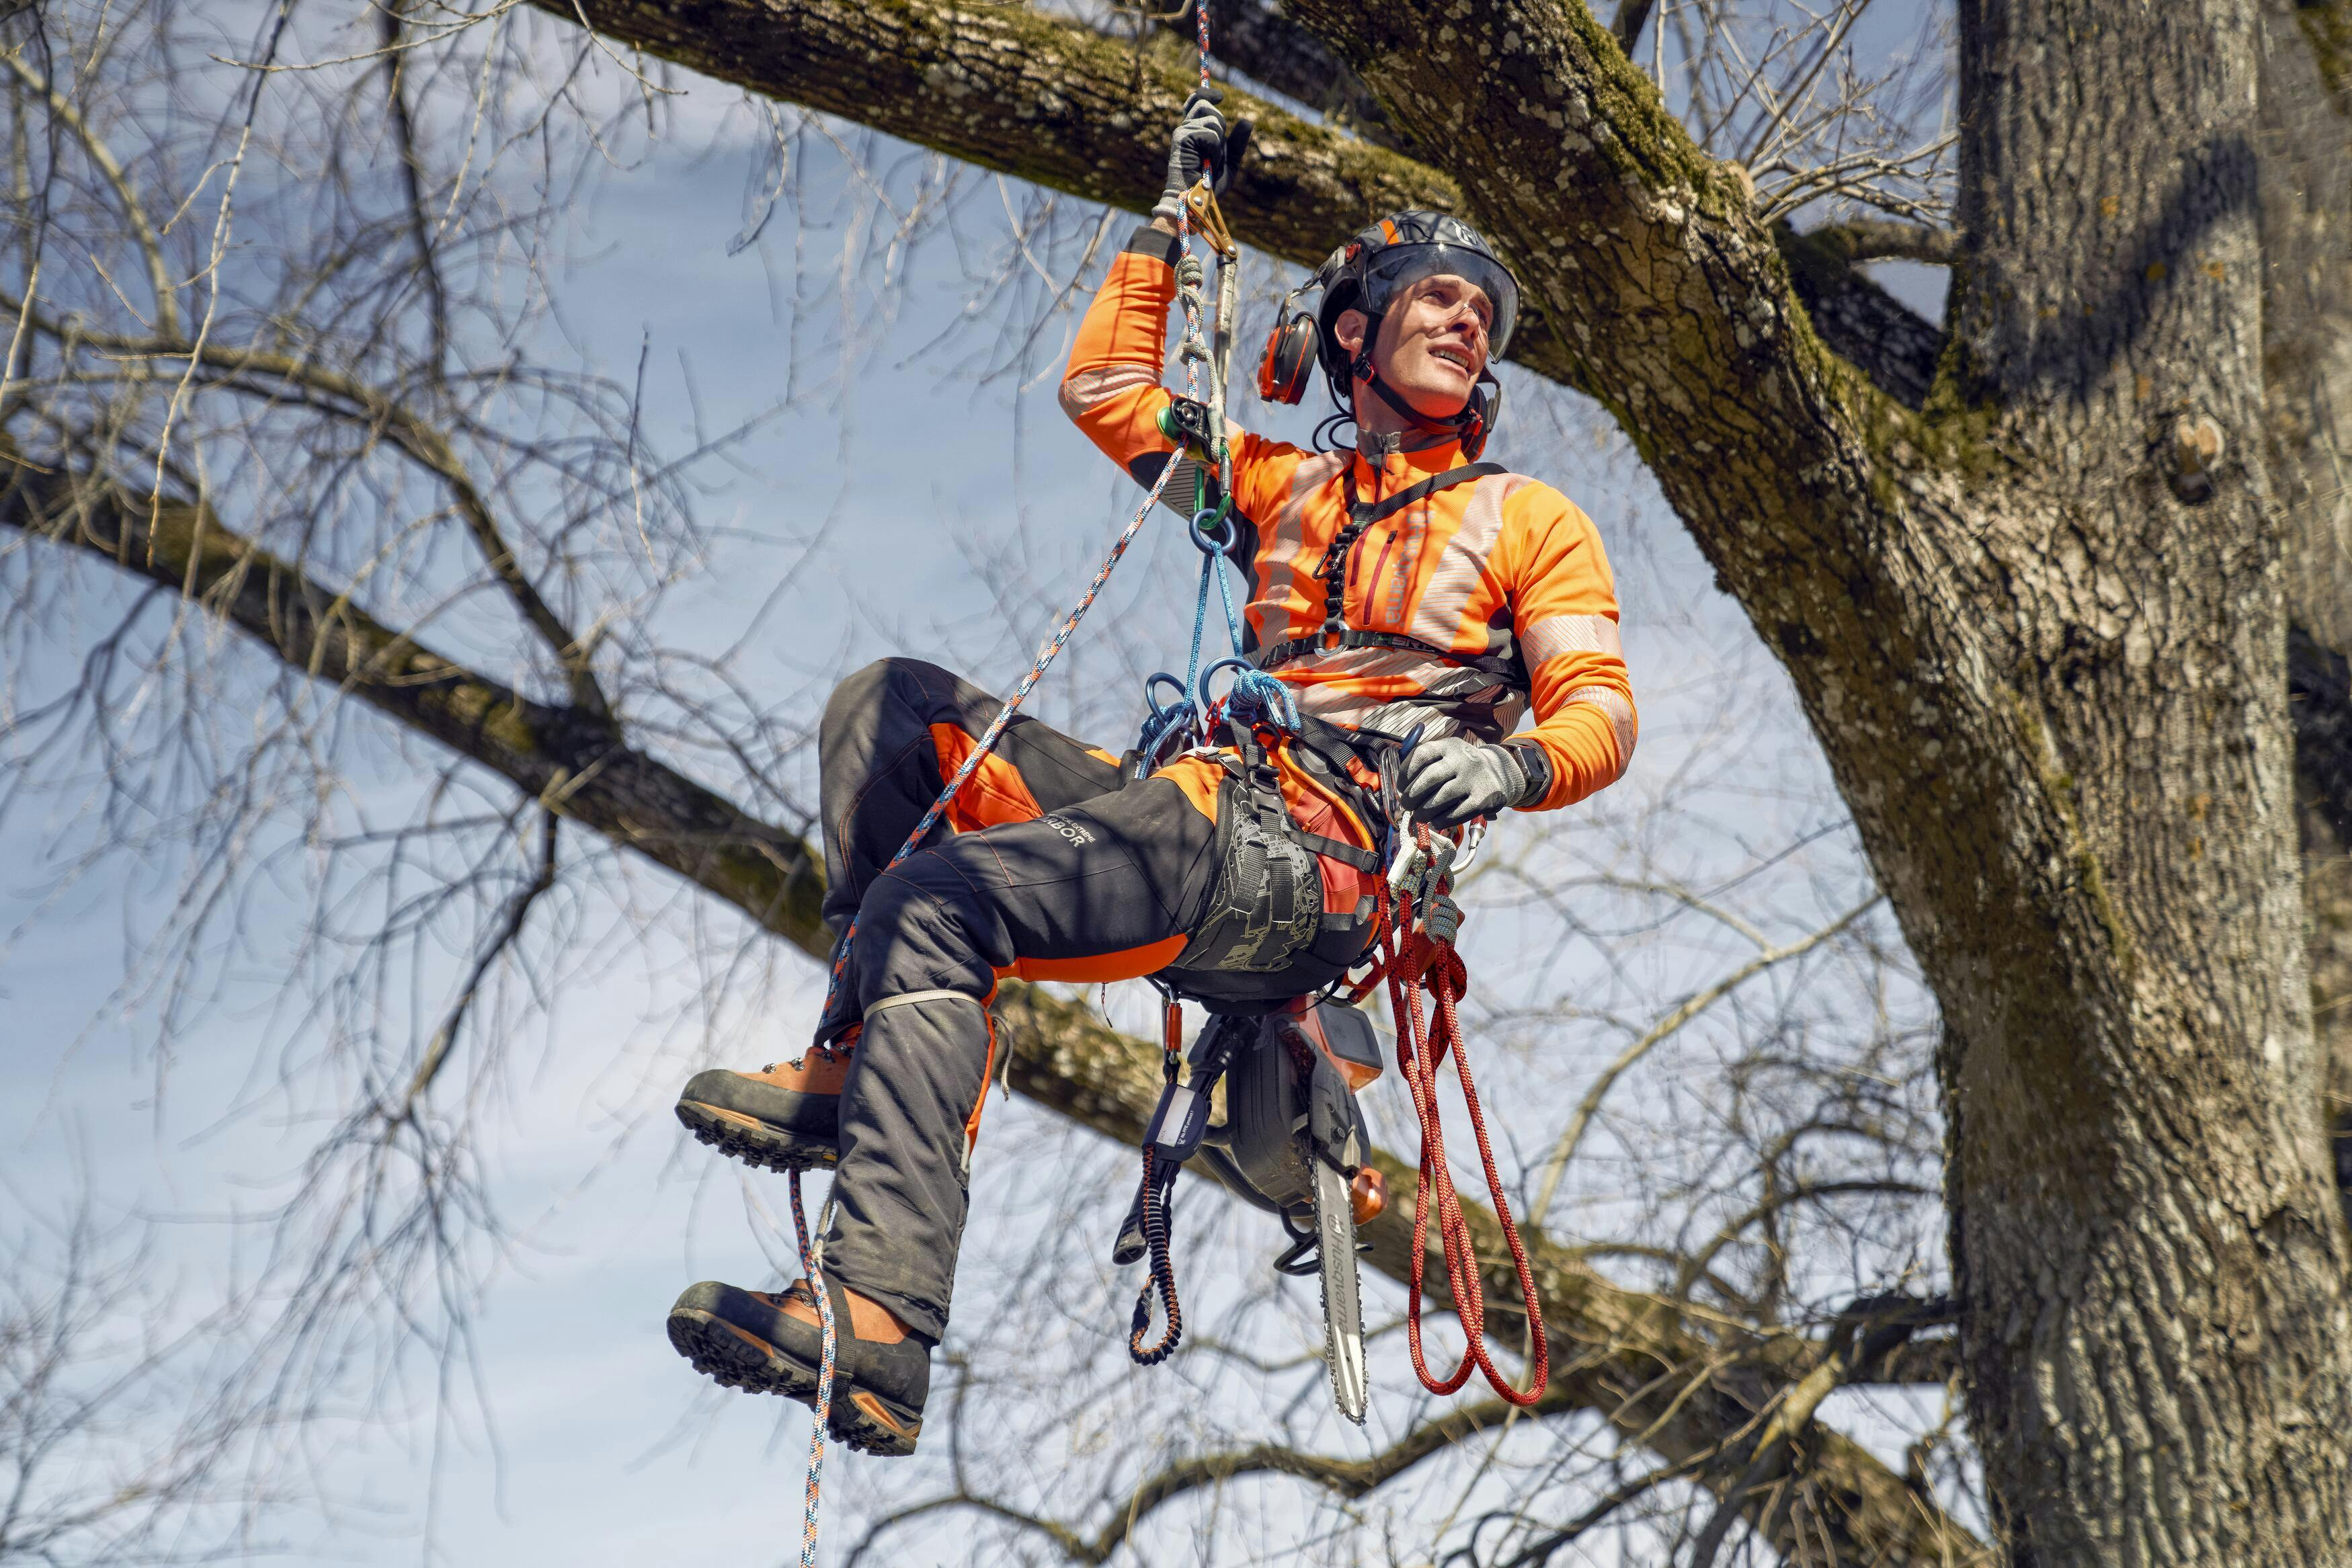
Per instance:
x=812, y=1253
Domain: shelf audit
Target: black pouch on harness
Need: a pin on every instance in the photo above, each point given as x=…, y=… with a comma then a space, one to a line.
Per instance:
x=1268, y=898
x=1266, y=938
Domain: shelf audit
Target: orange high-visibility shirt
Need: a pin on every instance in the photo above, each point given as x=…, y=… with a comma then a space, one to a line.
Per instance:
x=1496, y=592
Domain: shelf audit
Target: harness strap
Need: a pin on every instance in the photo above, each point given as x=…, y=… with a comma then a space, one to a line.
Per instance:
x=1335, y=632
x=1370, y=512
x=1291, y=649
x=1333, y=849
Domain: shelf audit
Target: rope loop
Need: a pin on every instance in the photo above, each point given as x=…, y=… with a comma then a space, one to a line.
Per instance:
x=1162, y=1278
x=1255, y=695
x=1181, y=703
x=1412, y=962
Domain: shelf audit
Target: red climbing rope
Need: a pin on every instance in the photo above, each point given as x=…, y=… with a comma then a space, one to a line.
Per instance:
x=1410, y=960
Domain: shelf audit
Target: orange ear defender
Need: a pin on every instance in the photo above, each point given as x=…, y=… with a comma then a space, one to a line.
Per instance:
x=1290, y=357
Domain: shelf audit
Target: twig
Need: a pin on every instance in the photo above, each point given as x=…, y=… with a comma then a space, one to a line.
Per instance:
x=1565, y=1149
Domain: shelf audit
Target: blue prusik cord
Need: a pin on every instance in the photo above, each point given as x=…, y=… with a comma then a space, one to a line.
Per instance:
x=1255, y=694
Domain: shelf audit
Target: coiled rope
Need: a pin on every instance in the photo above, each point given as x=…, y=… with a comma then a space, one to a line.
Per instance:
x=1416, y=957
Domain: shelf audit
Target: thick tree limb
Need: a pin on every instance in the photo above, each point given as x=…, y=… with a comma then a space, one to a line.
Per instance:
x=1024, y=93
x=1631, y=17
x=1260, y=40
x=1881, y=239
x=1052, y=101
x=1639, y=1361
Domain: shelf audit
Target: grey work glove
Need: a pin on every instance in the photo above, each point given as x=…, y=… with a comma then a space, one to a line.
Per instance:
x=1200, y=141
x=1448, y=782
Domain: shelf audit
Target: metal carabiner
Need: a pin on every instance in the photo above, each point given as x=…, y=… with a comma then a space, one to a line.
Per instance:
x=1473, y=839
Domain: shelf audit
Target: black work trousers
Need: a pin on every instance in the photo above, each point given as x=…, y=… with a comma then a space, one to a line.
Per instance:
x=1051, y=866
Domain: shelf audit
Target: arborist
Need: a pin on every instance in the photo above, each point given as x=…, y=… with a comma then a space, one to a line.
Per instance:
x=1397, y=587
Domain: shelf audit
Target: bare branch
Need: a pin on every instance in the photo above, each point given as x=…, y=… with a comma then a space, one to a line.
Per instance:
x=569, y=761
x=159, y=276
x=436, y=1054
x=1346, y=1477
x=1691, y=1007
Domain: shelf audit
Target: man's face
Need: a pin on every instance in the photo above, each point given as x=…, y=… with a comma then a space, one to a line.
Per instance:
x=1433, y=342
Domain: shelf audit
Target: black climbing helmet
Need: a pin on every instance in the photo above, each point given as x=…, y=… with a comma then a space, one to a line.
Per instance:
x=1366, y=275
x=1368, y=272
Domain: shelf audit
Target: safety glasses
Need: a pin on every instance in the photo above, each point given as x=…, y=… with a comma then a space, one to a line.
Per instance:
x=1399, y=265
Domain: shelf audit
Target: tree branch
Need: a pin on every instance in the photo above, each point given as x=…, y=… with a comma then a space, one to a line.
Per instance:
x=1633, y=15
x=1262, y=43
x=445, y=1038
x=1346, y=1477
x=1564, y=1149
x=569, y=761
x=1055, y=102
x=409, y=433
x=1883, y=239
x=159, y=277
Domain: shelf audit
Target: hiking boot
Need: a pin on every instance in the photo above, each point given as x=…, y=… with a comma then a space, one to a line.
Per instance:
x=784, y=1117
x=745, y=1339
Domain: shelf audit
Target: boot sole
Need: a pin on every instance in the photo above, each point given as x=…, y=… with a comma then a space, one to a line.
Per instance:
x=736, y=1358
x=754, y=1142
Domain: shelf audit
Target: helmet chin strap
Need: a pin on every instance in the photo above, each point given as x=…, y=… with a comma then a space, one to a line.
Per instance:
x=1451, y=427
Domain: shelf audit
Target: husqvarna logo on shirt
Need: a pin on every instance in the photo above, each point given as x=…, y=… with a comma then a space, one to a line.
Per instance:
x=1077, y=835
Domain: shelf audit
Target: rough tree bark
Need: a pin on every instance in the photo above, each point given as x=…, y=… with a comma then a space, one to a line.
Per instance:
x=2306, y=216
x=2041, y=634
x=2154, y=1278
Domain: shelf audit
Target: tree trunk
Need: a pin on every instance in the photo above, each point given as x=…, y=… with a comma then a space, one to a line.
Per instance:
x=2041, y=633
x=2306, y=219
x=2149, y=1257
